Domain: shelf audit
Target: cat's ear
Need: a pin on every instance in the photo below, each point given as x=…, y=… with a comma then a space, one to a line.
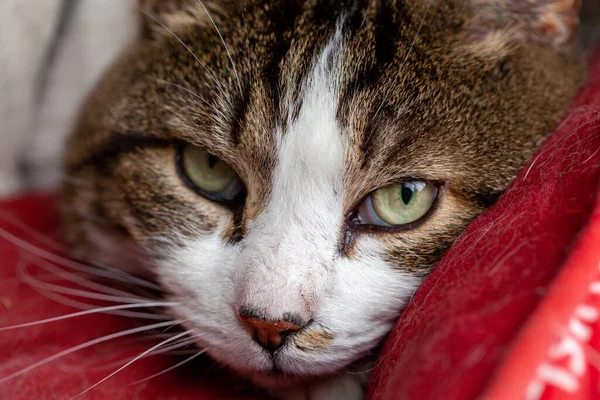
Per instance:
x=546, y=22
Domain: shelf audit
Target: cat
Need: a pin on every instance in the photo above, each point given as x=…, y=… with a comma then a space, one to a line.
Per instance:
x=289, y=171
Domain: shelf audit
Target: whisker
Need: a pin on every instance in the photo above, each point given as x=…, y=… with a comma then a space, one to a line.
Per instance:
x=42, y=238
x=104, y=271
x=83, y=346
x=175, y=352
x=68, y=276
x=52, y=295
x=45, y=239
x=131, y=362
x=85, y=306
x=45, y=276
x=109, y=272
x=169, y=350
x=196, y=95
x=169, y=328
x=188, y=49
x=187, y=360
x=87, y=312
x=181, y=343
x=137, y=340
x=29, y=279
x=237, y=77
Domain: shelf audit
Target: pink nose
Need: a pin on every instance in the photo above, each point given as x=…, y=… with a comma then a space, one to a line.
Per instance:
x=270, y=334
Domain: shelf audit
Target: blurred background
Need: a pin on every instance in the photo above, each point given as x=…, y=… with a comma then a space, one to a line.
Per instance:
x=51, y=53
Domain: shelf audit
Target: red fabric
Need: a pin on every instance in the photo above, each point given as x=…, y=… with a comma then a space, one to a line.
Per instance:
x=494, y=317
x=461, y=323
x=557, y=356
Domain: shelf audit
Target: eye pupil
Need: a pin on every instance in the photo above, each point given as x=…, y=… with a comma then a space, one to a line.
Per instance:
x=406, y=193
x=212, y=161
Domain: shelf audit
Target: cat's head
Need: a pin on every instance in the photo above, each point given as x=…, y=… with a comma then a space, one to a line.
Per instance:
x=289, y=171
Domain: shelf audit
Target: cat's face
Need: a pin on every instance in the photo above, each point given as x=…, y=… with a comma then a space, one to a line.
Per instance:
x=305, y=177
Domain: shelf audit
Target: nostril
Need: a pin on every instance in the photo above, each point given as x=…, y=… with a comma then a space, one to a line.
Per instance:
x=270, y=334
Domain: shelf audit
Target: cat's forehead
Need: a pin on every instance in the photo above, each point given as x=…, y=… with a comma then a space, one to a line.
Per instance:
x=360, y=64
x=255, y=87
x=407, y=96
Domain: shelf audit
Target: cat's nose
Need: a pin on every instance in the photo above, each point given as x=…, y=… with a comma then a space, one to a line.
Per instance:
x=270, y=334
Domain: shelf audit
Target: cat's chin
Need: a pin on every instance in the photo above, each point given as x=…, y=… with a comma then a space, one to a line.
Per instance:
x=276, y=380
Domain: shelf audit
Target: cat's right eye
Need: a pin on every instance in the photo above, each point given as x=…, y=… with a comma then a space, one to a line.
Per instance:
x=207, y=174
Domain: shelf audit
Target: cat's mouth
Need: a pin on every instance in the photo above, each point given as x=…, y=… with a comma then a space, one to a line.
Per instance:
x=278, y=375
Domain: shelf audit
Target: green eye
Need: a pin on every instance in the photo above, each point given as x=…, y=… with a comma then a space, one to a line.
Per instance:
x=398, y=205
x=208, y=174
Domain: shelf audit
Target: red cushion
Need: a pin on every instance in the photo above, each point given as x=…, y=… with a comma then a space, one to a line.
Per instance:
x=493, y=317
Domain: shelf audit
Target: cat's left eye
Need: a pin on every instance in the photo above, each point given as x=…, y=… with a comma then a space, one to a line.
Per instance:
x=398, y=205
x=208, y=174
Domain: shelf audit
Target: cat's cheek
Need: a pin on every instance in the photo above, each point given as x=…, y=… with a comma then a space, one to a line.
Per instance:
x=364, y=297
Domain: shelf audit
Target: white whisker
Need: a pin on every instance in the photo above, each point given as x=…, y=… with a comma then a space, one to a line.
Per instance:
x=29, y=279
x=169, y=350
x=187, y=360
x=47, y=240
x=237, y=77
x=214, y=108
x=188, y=49
x=111, y=273
x=87, y=312
x=131, y=362
x=182, y=343
x=177, y=345
x=176, y=352
x=83, y=346
x=68, y=276
x=86, y=306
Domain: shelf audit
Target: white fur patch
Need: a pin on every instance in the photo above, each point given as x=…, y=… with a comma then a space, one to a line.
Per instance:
x=291, y=244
